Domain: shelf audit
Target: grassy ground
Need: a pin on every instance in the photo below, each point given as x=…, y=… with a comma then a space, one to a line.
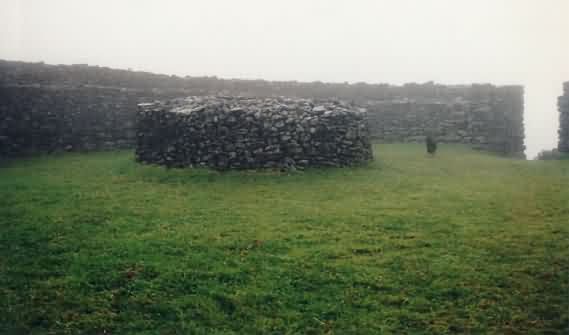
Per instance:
x=462, y=243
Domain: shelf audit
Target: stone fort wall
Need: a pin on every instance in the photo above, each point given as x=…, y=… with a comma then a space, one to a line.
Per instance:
x=36, y=119
x=491, y=120
x=46, y=108
x=563, y=104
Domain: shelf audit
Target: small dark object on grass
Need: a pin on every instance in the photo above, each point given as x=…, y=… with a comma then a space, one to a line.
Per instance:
x=552, y=154
x=431, y=145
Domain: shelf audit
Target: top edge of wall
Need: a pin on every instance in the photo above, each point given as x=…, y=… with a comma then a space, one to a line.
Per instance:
x=87, y=67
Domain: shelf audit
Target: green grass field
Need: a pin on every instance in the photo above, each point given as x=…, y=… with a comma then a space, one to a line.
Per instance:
x=465, y=242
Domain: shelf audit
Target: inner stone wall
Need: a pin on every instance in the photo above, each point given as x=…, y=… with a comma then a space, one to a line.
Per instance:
x=563, y=104
x=243, y=133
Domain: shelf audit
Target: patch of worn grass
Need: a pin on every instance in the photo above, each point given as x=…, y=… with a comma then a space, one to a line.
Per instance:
x=461, y=243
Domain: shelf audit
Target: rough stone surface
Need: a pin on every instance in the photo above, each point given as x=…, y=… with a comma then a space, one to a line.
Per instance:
x=224, y=132
x=563, y=104
x=38, y=119
x=45, y=108
x=490, y=120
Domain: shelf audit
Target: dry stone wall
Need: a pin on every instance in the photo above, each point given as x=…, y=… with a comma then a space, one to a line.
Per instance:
x=237, y=132
x=45, y=108
x=563, y=104
x=490, y=120
x=39, y=119
x=82, y=74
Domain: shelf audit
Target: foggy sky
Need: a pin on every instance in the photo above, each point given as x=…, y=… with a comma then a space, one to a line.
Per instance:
x=503, y=42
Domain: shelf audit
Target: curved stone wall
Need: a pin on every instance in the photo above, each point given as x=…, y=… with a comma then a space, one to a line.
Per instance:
x=241, y=133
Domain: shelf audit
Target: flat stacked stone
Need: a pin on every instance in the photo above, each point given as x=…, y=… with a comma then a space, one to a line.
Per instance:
x=226, y=132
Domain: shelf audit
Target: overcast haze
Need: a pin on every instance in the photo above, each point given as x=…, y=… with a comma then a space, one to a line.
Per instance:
x=503, y=42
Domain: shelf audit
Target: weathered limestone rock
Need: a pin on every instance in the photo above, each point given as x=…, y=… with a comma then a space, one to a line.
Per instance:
x=223, y=132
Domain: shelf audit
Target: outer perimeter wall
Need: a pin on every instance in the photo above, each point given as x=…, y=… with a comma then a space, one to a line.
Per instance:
x=45, y=108
x=38, y=119
x=487, y=117
x=563, y=104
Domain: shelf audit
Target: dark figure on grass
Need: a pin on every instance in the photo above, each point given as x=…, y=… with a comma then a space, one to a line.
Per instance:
x=431, y=145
